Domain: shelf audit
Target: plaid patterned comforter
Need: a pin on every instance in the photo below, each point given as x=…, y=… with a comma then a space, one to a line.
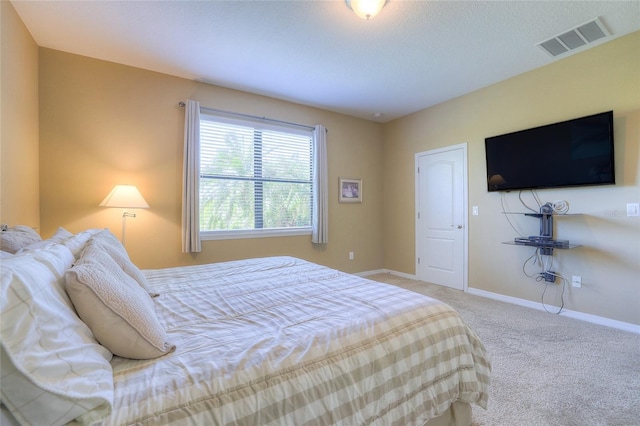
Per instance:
x=281, y=341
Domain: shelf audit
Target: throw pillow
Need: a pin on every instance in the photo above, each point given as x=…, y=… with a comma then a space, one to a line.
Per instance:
x=120, y=313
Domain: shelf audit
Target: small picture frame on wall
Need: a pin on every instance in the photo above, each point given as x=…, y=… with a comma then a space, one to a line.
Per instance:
x=350, y=190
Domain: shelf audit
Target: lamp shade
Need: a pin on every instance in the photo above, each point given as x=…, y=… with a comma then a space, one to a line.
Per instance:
x=125, y=196
x=366, y=9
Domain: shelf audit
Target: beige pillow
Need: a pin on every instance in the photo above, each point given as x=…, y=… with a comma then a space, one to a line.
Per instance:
x=120, y=313
x=110, y=244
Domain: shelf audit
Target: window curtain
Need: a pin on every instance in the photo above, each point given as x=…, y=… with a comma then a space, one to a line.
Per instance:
x=191, y=179
x=320, y=214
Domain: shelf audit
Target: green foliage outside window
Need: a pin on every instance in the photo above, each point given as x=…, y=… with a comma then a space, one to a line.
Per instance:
x=253, y=178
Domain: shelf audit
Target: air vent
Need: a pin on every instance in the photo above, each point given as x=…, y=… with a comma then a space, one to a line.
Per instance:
x=575, y=38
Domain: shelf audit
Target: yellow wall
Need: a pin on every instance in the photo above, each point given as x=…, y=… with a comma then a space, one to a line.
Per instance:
x=19, y=193
x=103, y=124
x=600, y=79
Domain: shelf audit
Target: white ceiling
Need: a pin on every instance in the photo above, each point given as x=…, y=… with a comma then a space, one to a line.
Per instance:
x=414, y=54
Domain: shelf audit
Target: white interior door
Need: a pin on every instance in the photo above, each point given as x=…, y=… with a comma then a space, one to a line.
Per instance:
x=441, y=219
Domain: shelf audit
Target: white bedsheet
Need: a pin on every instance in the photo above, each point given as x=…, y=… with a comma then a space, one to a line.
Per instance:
x=287, y=342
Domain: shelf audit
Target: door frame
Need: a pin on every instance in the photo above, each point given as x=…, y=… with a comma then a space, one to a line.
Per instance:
x=465, y=207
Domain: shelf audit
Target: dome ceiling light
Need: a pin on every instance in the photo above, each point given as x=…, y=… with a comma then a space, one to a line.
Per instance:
x=366, y=9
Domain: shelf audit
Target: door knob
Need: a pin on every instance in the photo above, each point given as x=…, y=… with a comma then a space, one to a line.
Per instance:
x=457, y=226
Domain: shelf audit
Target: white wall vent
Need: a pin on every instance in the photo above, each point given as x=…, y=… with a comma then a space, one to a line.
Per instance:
x=575, y=38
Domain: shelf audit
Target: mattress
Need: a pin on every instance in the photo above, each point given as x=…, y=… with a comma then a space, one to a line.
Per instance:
x=279, y=340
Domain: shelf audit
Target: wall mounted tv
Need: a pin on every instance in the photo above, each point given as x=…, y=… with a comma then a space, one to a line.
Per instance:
x=576, y=152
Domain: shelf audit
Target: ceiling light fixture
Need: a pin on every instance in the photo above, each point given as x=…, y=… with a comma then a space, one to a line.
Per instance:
x=366, y=9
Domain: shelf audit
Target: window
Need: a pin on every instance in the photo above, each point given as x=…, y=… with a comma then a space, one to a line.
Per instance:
x=255, y=178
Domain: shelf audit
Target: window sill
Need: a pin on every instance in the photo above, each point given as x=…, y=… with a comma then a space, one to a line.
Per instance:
x=253, y=233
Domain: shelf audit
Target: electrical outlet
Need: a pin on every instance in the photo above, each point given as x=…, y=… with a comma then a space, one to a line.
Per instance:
x=351, y=255
x=576, y=281
x=549, y=276
x=633, y=209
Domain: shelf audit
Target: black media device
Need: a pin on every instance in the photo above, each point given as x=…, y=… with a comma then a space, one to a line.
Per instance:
x=576, y=152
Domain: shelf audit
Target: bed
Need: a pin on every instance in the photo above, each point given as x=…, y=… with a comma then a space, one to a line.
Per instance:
x=268, y=341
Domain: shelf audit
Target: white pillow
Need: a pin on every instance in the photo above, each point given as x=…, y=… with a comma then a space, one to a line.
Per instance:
x=60, y=235
x=110, y=244
x=13, y=239
x=38, y=245
x=77, y=242
x=58, y=259
x=53, y=369
x=120, y=313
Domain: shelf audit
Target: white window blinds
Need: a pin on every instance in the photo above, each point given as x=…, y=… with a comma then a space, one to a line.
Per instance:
x=254, y=176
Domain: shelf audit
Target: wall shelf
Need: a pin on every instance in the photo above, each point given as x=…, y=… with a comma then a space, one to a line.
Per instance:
x=552, y=244
x=544, y=241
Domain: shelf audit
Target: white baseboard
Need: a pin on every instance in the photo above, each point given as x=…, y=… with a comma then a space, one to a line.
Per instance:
x=594, y=319
x=367, y=273
x=387, y=271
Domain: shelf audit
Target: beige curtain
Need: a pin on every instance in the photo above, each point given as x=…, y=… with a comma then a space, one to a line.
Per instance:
x=320, y=214
x=191, y=179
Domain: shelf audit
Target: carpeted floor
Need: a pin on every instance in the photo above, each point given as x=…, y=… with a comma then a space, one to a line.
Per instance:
x=547, y=369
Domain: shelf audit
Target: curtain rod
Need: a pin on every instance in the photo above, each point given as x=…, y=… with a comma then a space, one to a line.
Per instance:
x=182, y=104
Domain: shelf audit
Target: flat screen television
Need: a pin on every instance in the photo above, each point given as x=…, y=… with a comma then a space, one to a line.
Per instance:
x=575, y=152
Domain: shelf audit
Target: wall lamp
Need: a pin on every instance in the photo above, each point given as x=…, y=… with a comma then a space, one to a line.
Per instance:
x=126, y=197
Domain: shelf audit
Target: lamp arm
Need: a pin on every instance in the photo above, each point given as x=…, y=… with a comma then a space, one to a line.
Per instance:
x=125, y=215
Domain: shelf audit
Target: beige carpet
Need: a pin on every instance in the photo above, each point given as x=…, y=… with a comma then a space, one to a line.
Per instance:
x=547, y=369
